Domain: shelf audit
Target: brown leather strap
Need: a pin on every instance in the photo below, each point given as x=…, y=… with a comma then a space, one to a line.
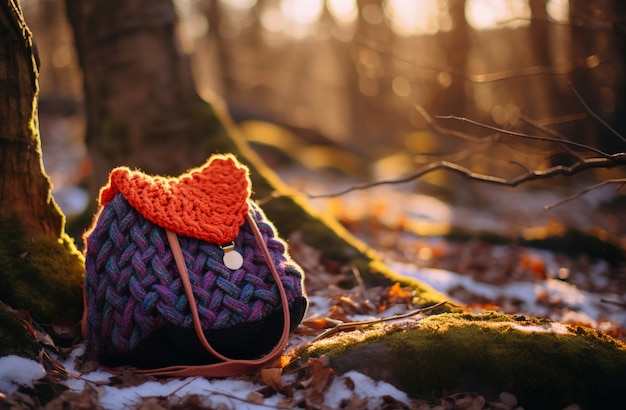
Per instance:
x=228, y=367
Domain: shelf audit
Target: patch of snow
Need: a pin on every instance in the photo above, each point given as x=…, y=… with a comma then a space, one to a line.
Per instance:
x=223, y=393
x=16, y=371
x=536, y=298
x=318, y=304
x=364, y=387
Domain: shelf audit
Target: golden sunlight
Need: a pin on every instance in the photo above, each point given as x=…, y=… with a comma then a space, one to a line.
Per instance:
x=492, y=14
x=301, y=11
x=242, y=5
x=415, y=17
x=344, y=11
x=558, y=10
x=292, y=18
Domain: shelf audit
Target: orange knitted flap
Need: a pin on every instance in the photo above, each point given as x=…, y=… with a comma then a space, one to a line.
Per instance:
x=207, y=203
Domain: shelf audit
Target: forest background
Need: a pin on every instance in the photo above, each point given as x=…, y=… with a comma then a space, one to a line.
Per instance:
x=338, y=93
x=357, y=86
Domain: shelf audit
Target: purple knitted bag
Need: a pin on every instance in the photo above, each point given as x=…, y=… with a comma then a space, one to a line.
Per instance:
x=137, y=312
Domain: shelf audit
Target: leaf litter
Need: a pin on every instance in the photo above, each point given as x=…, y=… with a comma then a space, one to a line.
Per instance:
x=333, y=308
x=314, y=385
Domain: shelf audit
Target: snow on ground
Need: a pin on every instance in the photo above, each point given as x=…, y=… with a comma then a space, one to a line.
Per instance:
x=18, y=371
x=551, y=298
x=533, y=298
x=229, y=393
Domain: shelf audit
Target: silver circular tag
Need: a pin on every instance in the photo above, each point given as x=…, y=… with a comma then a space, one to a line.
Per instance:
x=233, y=260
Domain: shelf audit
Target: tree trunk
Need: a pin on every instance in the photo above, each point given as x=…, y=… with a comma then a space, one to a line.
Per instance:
x=24, y=187
x=40, y=269
x=143, y=111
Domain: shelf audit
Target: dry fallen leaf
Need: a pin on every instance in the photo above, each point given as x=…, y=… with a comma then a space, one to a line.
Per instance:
x=85, y=400
x=318, y=378
x=397, y=294
x=318, y=322
x=255, y=397
x=273, y=378
x=337, y=313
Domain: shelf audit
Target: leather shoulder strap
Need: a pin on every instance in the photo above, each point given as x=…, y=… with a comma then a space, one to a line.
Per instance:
x=228, y=367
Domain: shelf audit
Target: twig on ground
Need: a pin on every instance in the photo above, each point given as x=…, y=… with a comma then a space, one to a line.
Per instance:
x=343, y=327
x=613, y=302
x=359, y=281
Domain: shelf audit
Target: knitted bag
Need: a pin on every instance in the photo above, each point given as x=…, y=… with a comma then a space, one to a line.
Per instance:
x=159, y=244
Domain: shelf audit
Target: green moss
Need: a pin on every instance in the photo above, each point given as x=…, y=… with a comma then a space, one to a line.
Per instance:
x=44, y=275
x=544, y=364
x=15, y=338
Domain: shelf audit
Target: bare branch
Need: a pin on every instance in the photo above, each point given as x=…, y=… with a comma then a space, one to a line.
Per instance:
x=473, y=78
x=527, y=136
x=594, y=115
x=530, y=175
x=619, y=181
x=446, y=131
x=541, y=126
x=421, y=158
x=527, y=169
x=559, y=119
x=590, y=23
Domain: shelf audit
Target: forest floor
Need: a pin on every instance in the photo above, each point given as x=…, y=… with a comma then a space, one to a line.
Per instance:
x=503, y=251
x=499, y=251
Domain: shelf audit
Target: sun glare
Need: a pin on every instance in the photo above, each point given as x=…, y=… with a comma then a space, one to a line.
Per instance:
x=558, y=10
x=240, y=5
x=415, y=17
x=492, y=14
x=298, y=19
x=301, y=11
x=292, y=18
x=344, y=11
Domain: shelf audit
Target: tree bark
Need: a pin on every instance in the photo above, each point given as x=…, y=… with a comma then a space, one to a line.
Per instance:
x=138, y=88
x=24, y=186
x=40, y=269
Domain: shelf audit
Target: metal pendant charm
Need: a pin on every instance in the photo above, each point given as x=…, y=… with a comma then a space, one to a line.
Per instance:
x=232, y=259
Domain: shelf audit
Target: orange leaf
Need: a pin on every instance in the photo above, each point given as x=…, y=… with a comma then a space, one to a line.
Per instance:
x=272, y=378
x=318, y=322
x=398, y=292
x=348, y=305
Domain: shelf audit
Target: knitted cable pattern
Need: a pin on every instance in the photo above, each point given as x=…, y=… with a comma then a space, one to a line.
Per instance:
x=133, y=288
x=208, y=202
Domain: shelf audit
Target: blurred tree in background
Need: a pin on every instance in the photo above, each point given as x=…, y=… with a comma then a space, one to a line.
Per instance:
x=360, y=83
x=351, y=73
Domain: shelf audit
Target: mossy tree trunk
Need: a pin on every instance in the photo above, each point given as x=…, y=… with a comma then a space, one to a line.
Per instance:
x=143, y=111
x=25, y=189
x=544, y=364
x=40, y=270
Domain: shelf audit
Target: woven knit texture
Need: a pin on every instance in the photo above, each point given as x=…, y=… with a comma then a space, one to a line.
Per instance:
x=208, y=202
x=133, y=287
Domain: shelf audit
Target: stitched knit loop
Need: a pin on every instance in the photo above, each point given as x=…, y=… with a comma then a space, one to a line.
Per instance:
x=133, y=288
x=208, y=203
